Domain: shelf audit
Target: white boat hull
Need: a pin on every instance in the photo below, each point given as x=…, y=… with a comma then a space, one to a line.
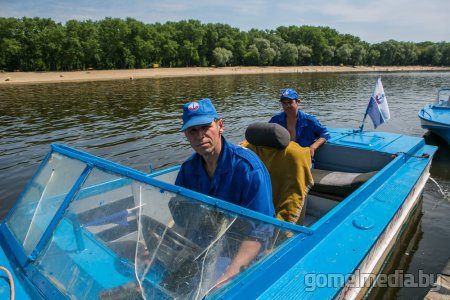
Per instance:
x=365, y=276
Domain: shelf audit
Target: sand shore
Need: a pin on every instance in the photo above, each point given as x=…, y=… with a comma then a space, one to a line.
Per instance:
x=8, y=78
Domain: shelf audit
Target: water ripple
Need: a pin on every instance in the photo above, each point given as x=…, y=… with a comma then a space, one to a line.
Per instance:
x=137, y=122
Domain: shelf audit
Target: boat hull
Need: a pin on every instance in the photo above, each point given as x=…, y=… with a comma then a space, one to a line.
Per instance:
x=353, y=237
x=365, y=276
x=437, y=120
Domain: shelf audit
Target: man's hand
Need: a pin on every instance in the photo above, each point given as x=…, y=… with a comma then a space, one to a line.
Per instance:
x=246, y=253
x=316, y=145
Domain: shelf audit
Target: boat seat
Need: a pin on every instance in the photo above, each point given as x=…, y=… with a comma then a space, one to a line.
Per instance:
x=333, y=185
x=289, y=166
x=337, y=185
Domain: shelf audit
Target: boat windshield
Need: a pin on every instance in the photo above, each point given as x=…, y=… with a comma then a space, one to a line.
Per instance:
x=119, y=237
x=443, y=99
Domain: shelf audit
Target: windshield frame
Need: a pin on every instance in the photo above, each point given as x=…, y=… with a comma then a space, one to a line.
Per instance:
x=14, y=248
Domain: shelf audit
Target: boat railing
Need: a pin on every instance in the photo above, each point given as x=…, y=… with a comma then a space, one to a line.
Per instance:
x=423, y=112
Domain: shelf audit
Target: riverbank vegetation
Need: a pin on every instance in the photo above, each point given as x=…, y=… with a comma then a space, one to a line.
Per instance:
x=38, y=44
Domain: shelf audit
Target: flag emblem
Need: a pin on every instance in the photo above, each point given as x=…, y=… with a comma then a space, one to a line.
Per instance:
x=379, y=98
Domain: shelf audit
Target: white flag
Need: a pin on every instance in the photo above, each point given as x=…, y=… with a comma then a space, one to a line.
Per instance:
x=378, y=108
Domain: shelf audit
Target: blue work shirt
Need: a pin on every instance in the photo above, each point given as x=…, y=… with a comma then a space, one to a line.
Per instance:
x=240, y=178
x=308, y=128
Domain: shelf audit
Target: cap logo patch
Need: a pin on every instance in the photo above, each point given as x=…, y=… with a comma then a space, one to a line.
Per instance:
x=193, y=106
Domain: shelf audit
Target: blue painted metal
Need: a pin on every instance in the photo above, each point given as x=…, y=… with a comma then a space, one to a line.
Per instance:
x=436, y=117
x=42, y=284
x=364, y=223
x=11, y=245
x=336, y=244
x=336, y=247
x=165, y=171
x=24, y=289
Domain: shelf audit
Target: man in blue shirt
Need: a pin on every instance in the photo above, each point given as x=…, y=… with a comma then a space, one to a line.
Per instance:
x=303, y=128
x=224, y=171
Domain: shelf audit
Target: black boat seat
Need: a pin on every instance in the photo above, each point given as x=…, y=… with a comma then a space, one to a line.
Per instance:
x=337, y=185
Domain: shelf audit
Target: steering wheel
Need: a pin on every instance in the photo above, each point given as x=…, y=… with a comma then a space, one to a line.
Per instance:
x=173, y=249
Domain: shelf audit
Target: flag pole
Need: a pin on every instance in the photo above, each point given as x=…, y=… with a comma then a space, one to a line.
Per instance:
x=361, y=128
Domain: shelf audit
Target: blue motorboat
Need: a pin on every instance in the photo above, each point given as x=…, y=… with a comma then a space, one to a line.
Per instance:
x=436, y=117
x=88, y=228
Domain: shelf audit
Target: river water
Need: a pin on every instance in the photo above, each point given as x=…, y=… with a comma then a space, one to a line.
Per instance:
x=136, y=123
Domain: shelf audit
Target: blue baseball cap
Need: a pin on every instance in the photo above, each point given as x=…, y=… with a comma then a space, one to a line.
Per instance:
x=198, y=113
x=288, y=94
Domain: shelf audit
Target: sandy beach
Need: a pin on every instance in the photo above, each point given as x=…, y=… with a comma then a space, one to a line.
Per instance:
x=8, y=78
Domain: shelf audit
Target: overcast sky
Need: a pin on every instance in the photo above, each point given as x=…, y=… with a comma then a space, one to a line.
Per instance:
x=372, y=21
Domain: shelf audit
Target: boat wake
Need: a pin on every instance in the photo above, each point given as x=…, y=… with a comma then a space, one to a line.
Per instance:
x=446, y=194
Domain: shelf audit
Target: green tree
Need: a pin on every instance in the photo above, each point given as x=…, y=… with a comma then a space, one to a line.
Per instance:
x=358, y=55
x=328, y=55
x=72, y=58
x=10, y=54
x=344, y=54
x=140, y=42
x=10, y=44
x=188, y=53
x=189, y=35
x=391, y=53
x=239, y=47
x=113, y=35
x=433, y=54
x=87, y=32
x=38, y=44
x=445, y=50
x=266, y=54
x=289, y=55
x=411, y=54
x=251, y=57
x=304, y=55
x=222, y=56
x=373, y=56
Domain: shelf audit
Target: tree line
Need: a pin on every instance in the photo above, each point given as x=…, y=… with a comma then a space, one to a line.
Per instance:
x=41, y=44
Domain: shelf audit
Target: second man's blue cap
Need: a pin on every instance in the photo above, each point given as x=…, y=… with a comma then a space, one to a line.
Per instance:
x=289, y=94
x=198, y=113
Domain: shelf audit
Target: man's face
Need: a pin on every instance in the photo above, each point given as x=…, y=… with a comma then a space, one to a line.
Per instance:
x=205, y=139
x=290, y=106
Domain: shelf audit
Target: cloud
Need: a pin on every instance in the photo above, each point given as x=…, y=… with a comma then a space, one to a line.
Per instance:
x=380, y=20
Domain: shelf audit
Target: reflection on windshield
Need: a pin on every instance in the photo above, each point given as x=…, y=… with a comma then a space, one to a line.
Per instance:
x=191, y=255
x=121, y=238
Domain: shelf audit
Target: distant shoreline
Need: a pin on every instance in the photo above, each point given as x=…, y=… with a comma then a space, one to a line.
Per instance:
x=12, y=78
